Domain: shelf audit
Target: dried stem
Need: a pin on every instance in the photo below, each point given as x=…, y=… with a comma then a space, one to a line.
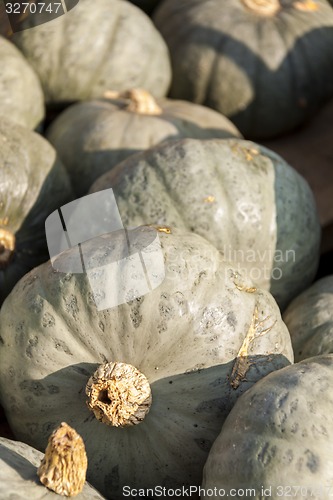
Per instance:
x=263, y=7
x=306, y=5
x=141, y=101
x=242, y=363
x=64, y=466
x=7, y=247
x=119, y=395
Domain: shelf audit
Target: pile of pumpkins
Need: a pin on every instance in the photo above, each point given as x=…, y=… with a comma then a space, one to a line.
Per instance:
x=217, y=381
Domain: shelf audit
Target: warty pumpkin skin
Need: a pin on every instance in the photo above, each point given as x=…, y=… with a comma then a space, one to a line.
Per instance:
x=109, y=44
x=266, y=65
x=18, y=474
x=21, y=95
x=309, y=318
x=92, y=137
x=201, y=338
x=33, y=183
x=246, y=200
x=278, y=436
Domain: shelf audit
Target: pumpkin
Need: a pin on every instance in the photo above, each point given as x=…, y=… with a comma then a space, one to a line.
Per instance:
x=21, y=96
x=310, y=320
x=265, y=64
x=92, y=137
x=18, y=474
x=246, y=200
x=276, y=440
x=95, y=47
x=33, y=183
x=147, y=383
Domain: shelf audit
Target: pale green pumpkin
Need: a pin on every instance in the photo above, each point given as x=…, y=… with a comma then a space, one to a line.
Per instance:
x=92, y=137
x=201, y=338
x=96, y=46
x=33, y=183
x=265, y=64
x=277, y=437
x=245, y=199
x=310, y=320
x=21, y=95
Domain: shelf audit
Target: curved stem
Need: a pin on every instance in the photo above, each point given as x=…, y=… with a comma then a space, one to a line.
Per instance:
x=119, y=395
x=141, y=101
x=306, y=5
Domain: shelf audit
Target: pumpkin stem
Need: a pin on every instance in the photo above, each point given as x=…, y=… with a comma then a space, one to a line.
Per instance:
x=263, y=7
x=306, y=5
x=64, y=466
x=141, y=101
x=7, y=247
x=119, y=395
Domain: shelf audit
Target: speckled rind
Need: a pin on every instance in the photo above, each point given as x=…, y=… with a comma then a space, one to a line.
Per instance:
x=21, y=95
x=242, y=197
x=266, y=73
x=184, y=336
x=99, y=46
x=92, y=137
x=18, y=474
x=33, y=183
x=278, y=436
x=309, y=318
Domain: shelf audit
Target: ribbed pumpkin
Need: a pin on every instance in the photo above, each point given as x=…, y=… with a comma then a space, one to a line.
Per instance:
x=92, y=137
x=172, y=362
x=21, y=95
x=109, y=44
x=277, y=438
x=246, y=200
x=310, y=320
x=33, y=183
x=18, y=474
x=266, y=64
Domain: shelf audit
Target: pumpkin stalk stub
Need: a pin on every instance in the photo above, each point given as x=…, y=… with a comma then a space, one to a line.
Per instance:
x=119, y=394
x=64, y=466
x=263, y=7
x=141, y=101
x=7, y=247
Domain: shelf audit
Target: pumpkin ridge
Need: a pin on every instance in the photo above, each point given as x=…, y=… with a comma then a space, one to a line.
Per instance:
x=293, y=81
x=44, y=304
x=207, y=77
x=97, y=73
x=59, y=54
x=146, y=72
